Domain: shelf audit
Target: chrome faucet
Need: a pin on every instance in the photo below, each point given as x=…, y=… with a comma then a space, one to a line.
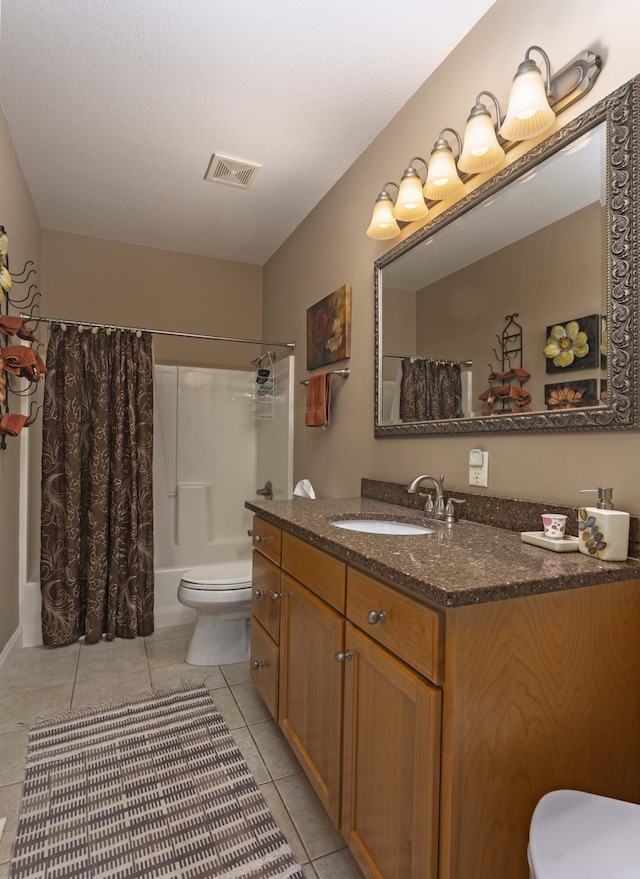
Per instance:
x=432, y=508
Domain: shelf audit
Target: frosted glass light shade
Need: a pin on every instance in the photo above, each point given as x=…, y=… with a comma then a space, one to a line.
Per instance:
x=383, y=223
x=442, y=180
x=410, y=202
x=529, y=113
x=481, y=151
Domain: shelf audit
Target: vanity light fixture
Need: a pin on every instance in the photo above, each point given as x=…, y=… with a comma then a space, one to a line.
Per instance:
x=534, y=104
x=529, y=113
x=443, y=180
x=410, y=204
x=481, y=150
x=383, y=223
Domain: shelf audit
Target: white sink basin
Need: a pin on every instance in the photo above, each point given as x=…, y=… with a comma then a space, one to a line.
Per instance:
x=382, y=526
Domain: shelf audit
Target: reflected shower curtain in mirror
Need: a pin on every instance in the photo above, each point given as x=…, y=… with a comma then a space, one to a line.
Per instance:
x=430, y=389
x=96, y=561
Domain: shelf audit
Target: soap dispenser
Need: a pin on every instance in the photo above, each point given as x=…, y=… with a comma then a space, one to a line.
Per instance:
x=603, y=531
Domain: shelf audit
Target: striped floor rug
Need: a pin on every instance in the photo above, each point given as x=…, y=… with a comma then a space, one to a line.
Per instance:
x=154, y=787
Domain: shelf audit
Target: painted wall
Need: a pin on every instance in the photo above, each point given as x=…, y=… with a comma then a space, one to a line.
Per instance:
x=106, y=281
x=330, y=248
x=18, y=216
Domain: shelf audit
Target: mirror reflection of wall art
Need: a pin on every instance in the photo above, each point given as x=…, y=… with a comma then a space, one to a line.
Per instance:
x=329, y=329
x=571, y=395
x=604, y=342
x=573, y=344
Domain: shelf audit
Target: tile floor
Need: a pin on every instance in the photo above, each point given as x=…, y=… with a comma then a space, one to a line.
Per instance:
x=44, y=681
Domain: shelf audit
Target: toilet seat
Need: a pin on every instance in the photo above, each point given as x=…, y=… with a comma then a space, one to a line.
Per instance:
x=576, y=835
x=222, y=576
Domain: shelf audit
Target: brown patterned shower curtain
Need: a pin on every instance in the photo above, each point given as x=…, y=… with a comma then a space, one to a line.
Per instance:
x=96, y=562
x=430, y=389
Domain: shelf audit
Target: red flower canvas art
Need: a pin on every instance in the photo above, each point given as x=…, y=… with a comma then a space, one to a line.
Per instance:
x=329, y=329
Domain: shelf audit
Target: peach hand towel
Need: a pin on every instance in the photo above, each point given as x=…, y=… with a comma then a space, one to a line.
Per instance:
x=11, y=423
x=11, y=324
x=318, y=400
x=16, y=357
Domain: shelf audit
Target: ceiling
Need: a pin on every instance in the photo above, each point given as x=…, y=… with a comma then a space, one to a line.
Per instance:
x=116, y=106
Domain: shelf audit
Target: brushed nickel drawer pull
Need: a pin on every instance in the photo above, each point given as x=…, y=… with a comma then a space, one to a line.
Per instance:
x=375, y=616
x=276, y=595
x=258, y=593
x=258, y=538
x=341, y=657
x=257, y=663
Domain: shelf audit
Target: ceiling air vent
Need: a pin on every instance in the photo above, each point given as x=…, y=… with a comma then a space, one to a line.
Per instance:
x=232, y=172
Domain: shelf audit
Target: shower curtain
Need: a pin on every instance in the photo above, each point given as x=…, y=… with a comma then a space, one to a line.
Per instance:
x=96, y=562
x=430, y=389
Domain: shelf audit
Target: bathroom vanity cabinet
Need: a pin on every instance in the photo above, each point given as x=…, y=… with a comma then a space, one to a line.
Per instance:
x=431, y=732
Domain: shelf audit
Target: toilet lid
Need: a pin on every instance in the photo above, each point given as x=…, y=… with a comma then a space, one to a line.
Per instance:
x=576, y=835
x=223, y=575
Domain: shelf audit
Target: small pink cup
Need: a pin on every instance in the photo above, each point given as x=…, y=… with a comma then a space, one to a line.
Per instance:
x=554, y=525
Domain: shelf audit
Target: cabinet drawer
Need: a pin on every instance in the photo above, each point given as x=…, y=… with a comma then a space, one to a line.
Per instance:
x=411, y=631
x=264, y=666
x=319, y=572
x=267, y=539
x=265, y=595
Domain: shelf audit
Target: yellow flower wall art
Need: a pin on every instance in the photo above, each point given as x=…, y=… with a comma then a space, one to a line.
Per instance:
x=573, y=344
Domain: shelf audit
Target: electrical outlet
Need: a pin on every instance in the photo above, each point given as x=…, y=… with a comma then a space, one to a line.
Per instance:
x=478, y=467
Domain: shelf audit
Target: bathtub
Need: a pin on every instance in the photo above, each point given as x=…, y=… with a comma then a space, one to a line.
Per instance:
x=167, y=609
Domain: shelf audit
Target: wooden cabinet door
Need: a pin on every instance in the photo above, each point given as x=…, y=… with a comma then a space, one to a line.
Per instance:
x=264, y=666
x=311, y=689
x=265, y=595
x=391, y=763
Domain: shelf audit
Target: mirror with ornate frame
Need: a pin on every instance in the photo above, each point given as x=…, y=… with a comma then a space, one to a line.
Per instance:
x=550, y=240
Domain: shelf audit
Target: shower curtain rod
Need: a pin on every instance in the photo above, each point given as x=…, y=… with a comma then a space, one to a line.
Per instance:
x=88, y=323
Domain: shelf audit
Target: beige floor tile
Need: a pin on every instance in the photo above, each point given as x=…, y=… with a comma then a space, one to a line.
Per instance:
x=4, y=871
x=308, y=872
x=339, y=865
x=167, y=652
x=19, y=710
x=39, y=673
x=312, y=822
x=104, y=690
x=170, y=632
x=238, y=673
x=253, y=708
x=168, y=677
x=13, y=748
x=249, y=751
x=51, y=654
x=284, y=822
x=10, y=809
x=103, y=660
x=126, y=646
x=274, y=749
x=228, y=707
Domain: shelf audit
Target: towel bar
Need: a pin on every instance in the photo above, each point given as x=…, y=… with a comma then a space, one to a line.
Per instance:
x=343, y=373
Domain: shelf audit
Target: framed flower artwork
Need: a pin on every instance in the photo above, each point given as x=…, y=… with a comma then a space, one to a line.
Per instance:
x=573, y=344
x=329, y=329
x=571, y=395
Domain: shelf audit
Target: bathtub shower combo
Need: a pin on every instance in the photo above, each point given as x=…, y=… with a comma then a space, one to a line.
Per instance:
x=211, y=448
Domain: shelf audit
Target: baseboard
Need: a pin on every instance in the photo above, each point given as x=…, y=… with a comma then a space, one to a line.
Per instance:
x=10, y=652
x=164, y=617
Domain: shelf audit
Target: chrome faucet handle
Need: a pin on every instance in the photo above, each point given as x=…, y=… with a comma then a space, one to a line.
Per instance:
x=450, y=514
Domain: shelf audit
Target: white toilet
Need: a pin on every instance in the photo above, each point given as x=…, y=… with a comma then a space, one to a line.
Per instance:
x=221, y=594
x=575, y=835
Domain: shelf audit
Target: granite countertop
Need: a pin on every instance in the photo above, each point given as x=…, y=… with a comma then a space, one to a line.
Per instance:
x=462, y=564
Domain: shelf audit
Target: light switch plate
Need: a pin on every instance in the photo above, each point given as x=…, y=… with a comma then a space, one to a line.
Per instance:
x=478, y=467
